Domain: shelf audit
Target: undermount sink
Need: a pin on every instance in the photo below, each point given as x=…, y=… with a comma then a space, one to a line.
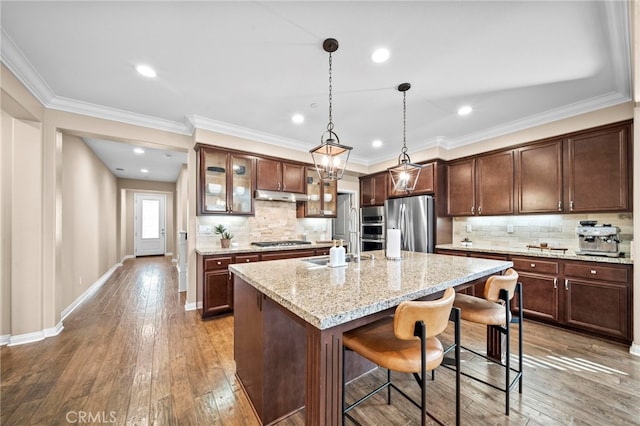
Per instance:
x=324, y=260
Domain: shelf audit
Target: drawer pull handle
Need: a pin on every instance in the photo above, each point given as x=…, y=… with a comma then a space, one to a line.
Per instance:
x=219, y=263
x=248, y=260
x=593, y=272
x=555, y=283
x=473, y=210
x=566, y=284
x=533, y=265
x=559, y=206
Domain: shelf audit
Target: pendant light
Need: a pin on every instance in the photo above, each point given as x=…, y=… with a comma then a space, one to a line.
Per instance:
x=330, y=158
x=405, y=175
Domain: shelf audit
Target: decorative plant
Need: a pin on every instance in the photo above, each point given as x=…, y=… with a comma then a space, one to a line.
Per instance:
x=225, y=235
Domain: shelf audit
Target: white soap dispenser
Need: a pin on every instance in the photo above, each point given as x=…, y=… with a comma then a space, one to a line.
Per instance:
x=337, y=254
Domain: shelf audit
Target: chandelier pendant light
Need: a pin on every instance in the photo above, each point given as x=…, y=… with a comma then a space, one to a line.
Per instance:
x=404, y=176
x=330, y=158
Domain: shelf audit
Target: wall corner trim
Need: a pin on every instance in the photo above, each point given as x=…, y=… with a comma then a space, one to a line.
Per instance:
x=5, y=339
x=192, y=306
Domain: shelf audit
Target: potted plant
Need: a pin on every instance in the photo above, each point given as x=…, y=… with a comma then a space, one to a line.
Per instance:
x=225, y=235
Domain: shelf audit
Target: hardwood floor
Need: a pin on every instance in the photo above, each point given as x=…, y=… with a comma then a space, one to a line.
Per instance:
x=132, y=355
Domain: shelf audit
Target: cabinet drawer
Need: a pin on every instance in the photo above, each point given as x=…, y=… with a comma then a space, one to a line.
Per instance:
x=535, y=265
x=247, y=258
x=597, y=272
x=213, y=263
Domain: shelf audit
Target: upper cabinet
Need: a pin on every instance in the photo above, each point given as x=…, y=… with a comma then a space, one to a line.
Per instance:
x=597, y=170
x=373, y=189
x=275, y=175
x=226, y=183
x=539, y=178
x=481, y=186
x=425, y=184
x=322, y=197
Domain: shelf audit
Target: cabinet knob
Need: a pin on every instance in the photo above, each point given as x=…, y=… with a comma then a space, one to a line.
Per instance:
x=593, y=272
x=219, y=263
x=248, y=261
x=480, y=210
x=473, y=209
x=533, y=265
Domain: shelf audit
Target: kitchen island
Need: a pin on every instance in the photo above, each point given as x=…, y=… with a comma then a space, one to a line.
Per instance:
x=289, y=317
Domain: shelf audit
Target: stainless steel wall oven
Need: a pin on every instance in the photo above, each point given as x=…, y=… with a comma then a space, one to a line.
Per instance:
x=372, y=228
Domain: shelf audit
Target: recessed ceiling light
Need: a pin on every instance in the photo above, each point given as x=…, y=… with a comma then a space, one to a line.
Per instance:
x=138, y=150
x=144, y=171
x=146, y=70
x=376, y=143
x=297, y=118
x=465, y=110
x=380, y=55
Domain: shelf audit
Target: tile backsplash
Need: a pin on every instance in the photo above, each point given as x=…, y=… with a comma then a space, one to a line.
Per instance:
x=273, y=221
x=556, y=230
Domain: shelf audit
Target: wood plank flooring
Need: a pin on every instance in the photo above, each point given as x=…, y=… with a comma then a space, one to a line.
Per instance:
x=131, y=355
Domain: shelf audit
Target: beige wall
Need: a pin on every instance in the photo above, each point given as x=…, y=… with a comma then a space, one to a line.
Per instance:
x=132, y=186
x=6, y=184
x=89, y=216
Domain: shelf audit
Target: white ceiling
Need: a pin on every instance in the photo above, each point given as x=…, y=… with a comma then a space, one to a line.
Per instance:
x=243, y=68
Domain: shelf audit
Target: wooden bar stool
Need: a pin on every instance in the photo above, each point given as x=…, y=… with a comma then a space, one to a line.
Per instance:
x=494, y=310
x=407, y=343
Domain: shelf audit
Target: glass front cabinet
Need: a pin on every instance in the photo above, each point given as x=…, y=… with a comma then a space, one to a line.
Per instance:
x=322, y=197
x=227, y=181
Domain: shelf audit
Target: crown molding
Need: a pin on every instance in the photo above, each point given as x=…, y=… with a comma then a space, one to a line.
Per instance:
x=13, y=58
x=98, y=111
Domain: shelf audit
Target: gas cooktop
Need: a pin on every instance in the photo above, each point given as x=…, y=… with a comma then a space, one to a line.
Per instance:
x=279, y=243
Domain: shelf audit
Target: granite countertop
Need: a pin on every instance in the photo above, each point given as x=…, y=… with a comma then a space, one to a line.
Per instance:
x=533, y=252
x=247, y=248
x=326, y=297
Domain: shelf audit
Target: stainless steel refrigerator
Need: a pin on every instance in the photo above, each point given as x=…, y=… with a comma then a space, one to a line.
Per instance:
x=415, y=218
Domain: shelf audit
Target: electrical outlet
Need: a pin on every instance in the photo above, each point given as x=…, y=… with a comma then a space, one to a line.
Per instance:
x=469, y=228
x=204, y=229
x=510, y=229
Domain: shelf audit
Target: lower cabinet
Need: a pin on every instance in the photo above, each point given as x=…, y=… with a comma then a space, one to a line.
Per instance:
x=584, y=296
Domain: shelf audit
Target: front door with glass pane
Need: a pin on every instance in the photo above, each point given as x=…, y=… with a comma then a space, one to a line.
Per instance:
x=149, y=224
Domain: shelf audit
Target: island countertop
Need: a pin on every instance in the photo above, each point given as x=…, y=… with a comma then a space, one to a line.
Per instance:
x=325, y=297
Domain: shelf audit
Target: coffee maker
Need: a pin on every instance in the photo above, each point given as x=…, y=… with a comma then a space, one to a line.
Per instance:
x=601, y=240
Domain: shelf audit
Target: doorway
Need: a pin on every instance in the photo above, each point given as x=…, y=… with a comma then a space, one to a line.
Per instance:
x=149, y=224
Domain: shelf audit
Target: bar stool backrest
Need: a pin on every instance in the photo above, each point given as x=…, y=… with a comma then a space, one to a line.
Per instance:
x=434, y=314
x=495, y=283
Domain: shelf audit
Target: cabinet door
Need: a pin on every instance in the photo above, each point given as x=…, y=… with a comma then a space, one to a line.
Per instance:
x=597, y=306
x=461, y=188
x=598, y=170
x=242, y=181
x=540, y=297
x=213, y=181
x=268, y=174
x=373, y=189
x=217, y=294
x=366, y=191
x=539, y=178
x=494, y=177
x=313, y=206
x=293, y=177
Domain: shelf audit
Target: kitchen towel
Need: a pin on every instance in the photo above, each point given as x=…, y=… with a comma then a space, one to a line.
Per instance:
x=393, y=244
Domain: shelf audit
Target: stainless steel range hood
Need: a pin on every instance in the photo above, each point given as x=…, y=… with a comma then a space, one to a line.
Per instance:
x=290, y=197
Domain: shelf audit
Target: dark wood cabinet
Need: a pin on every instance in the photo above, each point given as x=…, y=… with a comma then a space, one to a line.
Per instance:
x=481, y=186
x=287, y=254
x=322, y=197
x=597, y=170
x=217, y=287
x=424, y=185
x=226, y=182
x=276, y=175
x=539, y=280
x=539, y=178
x=270, y=354
x=373, y=189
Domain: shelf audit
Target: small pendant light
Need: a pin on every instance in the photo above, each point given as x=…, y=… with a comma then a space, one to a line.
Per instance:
x=404, y=176
x=330, y=158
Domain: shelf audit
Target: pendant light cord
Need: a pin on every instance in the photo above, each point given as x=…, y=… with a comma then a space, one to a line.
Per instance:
x=404, y=122
x=330, y=125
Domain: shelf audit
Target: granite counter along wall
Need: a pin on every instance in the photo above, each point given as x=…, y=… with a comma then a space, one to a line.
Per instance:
x=556, y=230
x=273, y=221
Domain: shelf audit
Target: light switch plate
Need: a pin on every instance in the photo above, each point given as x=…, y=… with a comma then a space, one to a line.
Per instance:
x=469, y=228
x=510, y=229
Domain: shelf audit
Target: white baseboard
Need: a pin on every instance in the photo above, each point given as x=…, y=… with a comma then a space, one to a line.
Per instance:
x=634, y=349
x=169, y=253
x=127, y=256
x=4, y=339
x=36, y=336
x=192, y=306
x=95, y=286
x=54, y=331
